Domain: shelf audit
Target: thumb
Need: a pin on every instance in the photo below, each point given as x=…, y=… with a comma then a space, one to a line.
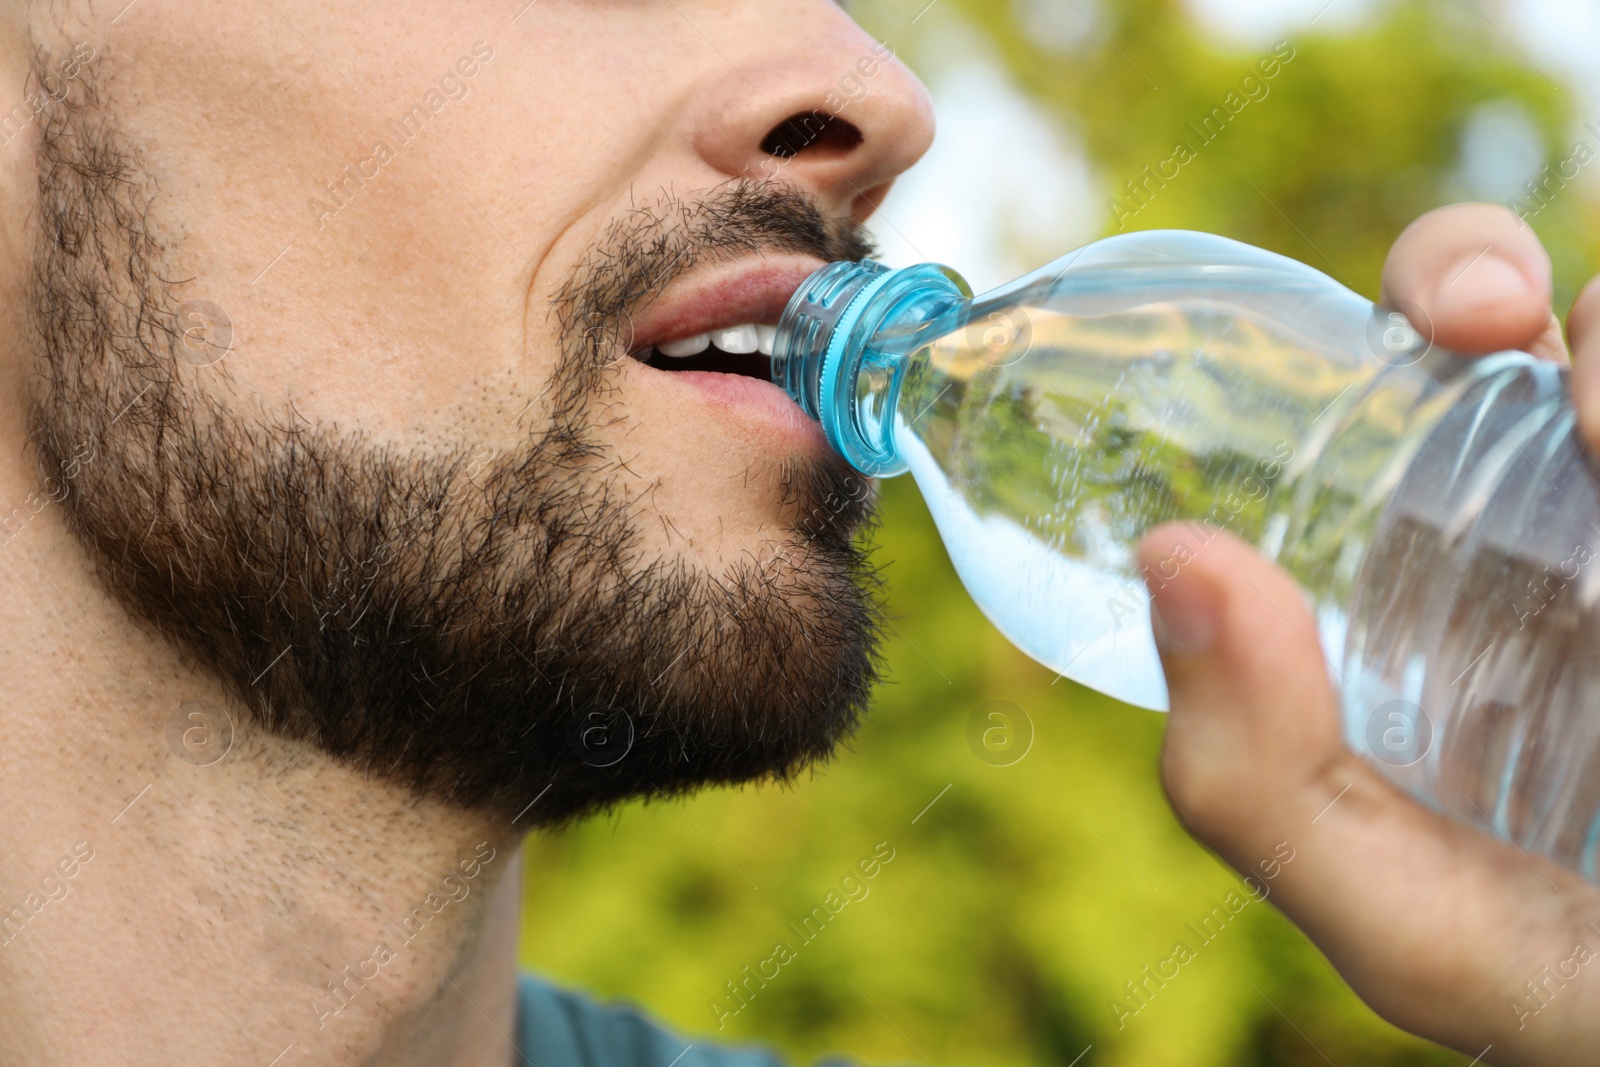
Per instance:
x=1253, y=716
x=1435, y=924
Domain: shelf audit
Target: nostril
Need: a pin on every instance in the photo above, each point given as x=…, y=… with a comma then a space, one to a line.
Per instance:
x=811, y=131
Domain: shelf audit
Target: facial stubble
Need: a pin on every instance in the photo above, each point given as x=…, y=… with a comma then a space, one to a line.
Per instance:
x=492, y=632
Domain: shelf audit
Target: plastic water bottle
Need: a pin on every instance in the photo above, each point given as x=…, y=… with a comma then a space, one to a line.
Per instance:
x=1441, y=513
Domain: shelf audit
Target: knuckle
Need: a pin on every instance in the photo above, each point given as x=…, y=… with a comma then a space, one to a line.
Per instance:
x=1211, y=797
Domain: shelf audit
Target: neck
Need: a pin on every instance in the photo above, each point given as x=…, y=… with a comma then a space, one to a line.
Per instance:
x=176, y=890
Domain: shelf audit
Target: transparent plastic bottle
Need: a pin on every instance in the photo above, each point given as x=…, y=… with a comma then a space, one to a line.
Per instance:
x=1440, y=512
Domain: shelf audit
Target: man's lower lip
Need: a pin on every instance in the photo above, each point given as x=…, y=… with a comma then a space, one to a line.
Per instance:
x=756, y=402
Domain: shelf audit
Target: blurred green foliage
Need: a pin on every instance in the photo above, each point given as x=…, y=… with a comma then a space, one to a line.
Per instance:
x=1355, y=136
x=1021, y=901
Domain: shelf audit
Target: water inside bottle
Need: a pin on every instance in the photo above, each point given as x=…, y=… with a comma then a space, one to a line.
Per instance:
x=1416, y=504
x=1044, y=469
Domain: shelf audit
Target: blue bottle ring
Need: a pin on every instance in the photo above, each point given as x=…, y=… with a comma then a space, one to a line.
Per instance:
x=834, y=400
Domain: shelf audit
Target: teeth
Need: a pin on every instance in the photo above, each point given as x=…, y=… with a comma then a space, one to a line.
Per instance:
x=738, y=341
x=689, y=346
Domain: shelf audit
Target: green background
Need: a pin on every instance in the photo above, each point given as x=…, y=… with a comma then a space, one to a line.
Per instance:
x=1017, y=905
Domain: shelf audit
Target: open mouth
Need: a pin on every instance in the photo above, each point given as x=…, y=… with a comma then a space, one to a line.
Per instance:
x=721, y=318
x=745, y=349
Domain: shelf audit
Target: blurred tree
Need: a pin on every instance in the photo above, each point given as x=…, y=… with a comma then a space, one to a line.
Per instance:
x=1325, y=160
x=1040, y=888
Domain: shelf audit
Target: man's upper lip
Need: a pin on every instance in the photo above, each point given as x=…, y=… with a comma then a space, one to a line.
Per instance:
x=721, y=296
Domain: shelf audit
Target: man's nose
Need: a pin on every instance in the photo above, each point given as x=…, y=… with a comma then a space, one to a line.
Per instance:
x=814, y=100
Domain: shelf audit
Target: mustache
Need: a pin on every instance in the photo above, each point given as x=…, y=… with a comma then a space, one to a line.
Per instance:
x=643, y=251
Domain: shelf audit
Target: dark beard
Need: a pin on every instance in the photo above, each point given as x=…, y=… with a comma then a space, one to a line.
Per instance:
x=480, y=627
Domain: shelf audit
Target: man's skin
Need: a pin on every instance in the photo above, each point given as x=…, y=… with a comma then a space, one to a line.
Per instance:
x=198, y=894
x=225, y=896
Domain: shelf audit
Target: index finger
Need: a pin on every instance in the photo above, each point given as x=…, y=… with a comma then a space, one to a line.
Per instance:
x=1480, y=279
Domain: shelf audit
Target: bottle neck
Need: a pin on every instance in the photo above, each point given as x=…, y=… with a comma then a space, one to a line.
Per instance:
x=844, y=343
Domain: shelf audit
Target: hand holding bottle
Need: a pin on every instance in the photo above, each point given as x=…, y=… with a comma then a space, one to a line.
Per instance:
x=1442, y=929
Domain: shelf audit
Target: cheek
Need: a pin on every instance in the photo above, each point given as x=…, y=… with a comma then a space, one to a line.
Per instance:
x=406, y=308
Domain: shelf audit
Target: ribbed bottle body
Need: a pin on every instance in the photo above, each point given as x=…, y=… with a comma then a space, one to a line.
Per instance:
x=1469, y=672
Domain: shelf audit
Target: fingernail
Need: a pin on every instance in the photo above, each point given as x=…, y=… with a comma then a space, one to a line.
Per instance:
x=1477, y=281
x=1183, y=618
